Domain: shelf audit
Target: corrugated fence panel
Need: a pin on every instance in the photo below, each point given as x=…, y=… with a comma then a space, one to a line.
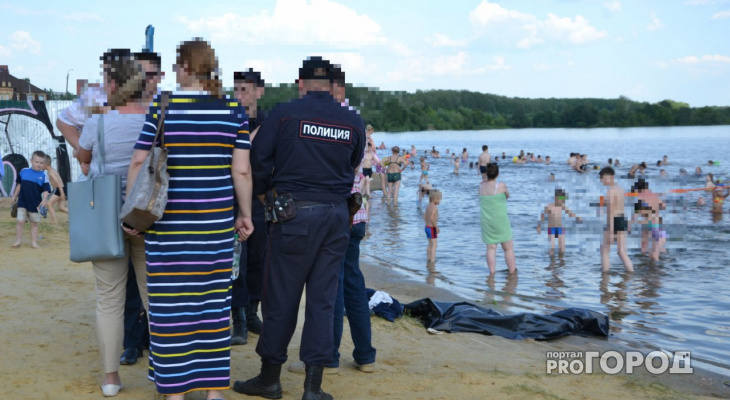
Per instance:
x=28, y=135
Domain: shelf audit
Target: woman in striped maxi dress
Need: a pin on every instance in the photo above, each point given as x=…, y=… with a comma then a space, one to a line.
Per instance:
x=190, y=249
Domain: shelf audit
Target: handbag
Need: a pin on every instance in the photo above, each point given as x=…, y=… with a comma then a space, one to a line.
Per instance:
x=93, y=213
x=146, y=201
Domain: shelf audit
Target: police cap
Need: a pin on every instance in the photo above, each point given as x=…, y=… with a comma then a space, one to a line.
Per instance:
x=318, y=68
x=249, y=76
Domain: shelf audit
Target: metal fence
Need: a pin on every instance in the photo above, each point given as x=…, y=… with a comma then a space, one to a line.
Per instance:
x=28, y=135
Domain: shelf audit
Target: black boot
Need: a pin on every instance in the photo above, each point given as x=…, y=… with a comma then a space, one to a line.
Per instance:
x=266, y=384
x=253, y=323
x=313, y=384
x=240, y=334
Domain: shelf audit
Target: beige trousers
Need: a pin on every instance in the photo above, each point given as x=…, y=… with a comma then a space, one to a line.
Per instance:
x=111, y=282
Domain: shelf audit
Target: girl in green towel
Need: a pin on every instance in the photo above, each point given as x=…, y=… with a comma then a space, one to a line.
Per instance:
x=496, y=229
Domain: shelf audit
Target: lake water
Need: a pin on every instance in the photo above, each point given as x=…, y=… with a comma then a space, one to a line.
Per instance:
x=678, y=303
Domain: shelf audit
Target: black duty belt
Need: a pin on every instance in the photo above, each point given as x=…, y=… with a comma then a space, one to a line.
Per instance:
x=311, y=204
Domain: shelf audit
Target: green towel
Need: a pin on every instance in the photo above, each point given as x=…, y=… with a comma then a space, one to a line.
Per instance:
x=495, y=224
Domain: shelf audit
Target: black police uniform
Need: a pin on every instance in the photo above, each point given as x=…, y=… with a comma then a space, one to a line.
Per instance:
x=308, y=147
x=247, y=288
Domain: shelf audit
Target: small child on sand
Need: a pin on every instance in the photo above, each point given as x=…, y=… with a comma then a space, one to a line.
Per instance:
x=553, y=212
x=617, y=223
x=431, y=218
x=30, y=193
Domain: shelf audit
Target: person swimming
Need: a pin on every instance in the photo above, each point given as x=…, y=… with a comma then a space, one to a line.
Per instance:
x=637, y=168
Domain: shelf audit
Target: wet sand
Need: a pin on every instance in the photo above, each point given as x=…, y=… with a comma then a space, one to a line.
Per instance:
x=49, y=345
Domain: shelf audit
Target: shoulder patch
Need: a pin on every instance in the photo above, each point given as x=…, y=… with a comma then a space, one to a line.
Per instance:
x=325, y=132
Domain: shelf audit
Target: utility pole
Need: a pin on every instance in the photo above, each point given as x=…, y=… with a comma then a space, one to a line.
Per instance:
x=67, y=73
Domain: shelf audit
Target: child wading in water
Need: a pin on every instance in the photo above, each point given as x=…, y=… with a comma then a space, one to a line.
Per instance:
x=496, y=229
x=553, y=212
x=617, y=223
x=431, y=218
x=425, y=166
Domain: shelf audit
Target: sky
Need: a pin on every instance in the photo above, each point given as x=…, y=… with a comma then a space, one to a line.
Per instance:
x=647, y=50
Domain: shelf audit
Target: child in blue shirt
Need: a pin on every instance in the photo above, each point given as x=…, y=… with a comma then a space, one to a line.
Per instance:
x=30, y=193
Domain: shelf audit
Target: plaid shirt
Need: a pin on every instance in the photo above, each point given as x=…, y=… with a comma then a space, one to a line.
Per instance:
x=362, y=215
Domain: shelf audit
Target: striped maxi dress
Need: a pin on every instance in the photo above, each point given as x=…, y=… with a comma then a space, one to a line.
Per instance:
x=190, y=249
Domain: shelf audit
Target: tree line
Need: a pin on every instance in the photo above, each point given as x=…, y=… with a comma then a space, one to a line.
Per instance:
x=465, y=110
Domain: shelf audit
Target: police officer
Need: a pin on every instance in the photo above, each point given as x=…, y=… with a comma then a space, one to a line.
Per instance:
x=307, y=149
x=246, y=293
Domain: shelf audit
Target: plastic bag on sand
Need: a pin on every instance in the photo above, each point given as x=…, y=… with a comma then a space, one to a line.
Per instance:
x=467, y=317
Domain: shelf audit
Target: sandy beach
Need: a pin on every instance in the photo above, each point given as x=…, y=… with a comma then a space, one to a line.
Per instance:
x=47, y=308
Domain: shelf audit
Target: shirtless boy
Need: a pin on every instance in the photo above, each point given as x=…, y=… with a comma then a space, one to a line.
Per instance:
x=647, y=212
x=616, y=221
x=456, y=161
x=484, y=159
x=58, y=192
x=367, y=169
x=431, y=218
x=553, y=212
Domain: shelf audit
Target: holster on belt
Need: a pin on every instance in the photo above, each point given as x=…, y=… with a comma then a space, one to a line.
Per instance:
x=280, y=207
x=354, y=202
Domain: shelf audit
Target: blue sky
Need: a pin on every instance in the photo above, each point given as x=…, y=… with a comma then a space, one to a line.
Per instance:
x=648, y=50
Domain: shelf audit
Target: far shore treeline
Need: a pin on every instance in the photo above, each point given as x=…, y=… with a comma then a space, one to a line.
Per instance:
x=464, y=110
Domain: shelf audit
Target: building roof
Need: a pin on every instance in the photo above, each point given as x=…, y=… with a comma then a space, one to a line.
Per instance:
x=18, y=85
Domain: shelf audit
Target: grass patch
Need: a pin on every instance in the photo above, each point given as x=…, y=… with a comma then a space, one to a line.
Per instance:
x=533, y=376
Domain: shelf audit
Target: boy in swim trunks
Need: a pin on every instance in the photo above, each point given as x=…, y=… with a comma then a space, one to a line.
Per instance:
x=647, y=212
x=553, y=212
x=456, y=161
x=431, y=218
x=367, y=169
x=484, y=159
x=617, y=223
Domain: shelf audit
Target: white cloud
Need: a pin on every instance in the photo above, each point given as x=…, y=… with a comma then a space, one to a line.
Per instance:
x=351, y=62
x=528, y=30
x=83, y=17
x=302, y=22
x=703, y=2
x=499, y=65
x=721, y=15
x=19, y=10
x=613, y=6
x=418, y=68
x=439, y=40
x=21, y=40
x=574, y=31
x=655, y=23
x=487, y=13
x=706, y=59
x=4, y=52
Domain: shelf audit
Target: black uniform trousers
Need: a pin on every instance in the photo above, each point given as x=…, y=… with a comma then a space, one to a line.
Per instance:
x=251, y=273
x=307, y=250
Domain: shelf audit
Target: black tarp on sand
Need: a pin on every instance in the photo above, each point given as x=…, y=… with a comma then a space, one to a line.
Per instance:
x=467, y=317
